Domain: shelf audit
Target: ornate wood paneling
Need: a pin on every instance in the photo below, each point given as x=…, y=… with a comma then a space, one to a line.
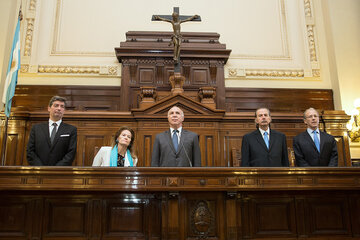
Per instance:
x=220, y=134
x=129, y=217
x=278, y=100
x=80, y=98
x=147, y=59
x=330, y=216
x=271, y=216
x=102, y=98
x=186, y=203
x=15, y=217
x=61, y=214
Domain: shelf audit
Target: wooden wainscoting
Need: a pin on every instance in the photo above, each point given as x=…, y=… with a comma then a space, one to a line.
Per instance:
x=179, y=203
x=101, y=98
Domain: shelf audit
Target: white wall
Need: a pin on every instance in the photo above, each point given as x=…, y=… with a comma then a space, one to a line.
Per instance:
x=344, y=19
x=274, y=43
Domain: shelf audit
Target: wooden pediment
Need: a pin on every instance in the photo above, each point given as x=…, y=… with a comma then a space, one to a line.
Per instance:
x=191, y=108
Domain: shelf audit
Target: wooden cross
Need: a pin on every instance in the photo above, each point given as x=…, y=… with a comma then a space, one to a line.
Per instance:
x=176, y=20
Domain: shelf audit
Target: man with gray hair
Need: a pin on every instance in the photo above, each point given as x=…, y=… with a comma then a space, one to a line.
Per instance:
x=176, y=147
x=314, y=147
x=52, y=143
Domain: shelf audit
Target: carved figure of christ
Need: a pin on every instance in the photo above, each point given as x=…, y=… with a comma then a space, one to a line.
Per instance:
x=176, y=20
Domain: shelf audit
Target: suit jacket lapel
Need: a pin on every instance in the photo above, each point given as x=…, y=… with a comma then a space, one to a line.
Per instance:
x=260, y=139
x=182, y=139
x=322, y=140
x=271, y=139
x=45, y=129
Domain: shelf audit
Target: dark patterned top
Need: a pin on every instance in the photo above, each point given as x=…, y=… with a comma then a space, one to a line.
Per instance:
x=120, y=160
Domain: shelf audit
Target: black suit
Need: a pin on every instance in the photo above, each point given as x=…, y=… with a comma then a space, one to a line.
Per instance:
x=254, y=152
x=40, y=152
x=164, y=154
x=307, y=155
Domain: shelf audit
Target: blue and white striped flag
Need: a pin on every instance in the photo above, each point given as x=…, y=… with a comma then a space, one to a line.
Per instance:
x=12, y=72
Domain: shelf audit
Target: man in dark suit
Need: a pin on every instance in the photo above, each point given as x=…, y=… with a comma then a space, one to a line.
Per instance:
x=52, y=143
x=176, y=147
x=264, y=147
x=314, y=147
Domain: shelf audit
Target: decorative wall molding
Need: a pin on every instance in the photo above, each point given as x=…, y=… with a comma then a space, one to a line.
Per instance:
x=277, y=73
x=284, y=39
x=232, y=73
x=68, y=69
x=56, y=35
x=98, y=70
x=307, y=8
x=29, y=30
x=316, y=73
x=32, y=5
x=313, y=72
x=24, y=68
x=311, y=40
x=311, y=36
x=29, y=36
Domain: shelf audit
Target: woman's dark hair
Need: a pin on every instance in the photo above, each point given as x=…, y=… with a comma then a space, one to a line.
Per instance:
x=117, y=134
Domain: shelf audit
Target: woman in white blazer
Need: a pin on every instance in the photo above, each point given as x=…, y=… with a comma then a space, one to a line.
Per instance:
x=122, y=154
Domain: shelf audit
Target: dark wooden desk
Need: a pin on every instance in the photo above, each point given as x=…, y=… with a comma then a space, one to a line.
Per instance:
x=179, y=203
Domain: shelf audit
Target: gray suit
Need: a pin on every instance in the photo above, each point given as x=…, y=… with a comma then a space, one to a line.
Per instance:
x=164, y=154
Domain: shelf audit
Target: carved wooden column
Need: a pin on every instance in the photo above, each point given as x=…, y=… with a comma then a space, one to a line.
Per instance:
x=177, y=82
x=335, y=124
x=207, y=96
x=124, y=92
x=231, y=218
x=148, y=96
x=15, y=138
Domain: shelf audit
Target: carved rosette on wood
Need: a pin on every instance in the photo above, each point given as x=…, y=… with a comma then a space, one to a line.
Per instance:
x=202, y=220
x=177, y=82
x=207, y=96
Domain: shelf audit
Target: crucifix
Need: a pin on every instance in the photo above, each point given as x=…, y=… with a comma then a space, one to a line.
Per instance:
x=175, y=19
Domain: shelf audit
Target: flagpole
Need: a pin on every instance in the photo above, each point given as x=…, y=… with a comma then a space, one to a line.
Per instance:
x=10, y=82
x=3, y=149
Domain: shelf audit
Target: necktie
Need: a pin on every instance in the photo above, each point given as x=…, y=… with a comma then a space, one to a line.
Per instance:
x=266, y=139
x=53, y=133
x=175, y=139
x=316, y=141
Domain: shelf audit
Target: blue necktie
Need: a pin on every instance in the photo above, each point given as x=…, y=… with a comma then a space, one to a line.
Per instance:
x=316, y=140
x=175, y=139
x=266, y=139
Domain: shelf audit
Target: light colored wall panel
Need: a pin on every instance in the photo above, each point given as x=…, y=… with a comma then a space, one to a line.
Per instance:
x=268, y=38
x=344, y=17
x=275, y=43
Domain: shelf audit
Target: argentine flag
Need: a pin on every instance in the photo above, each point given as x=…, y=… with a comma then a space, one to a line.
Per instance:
x=12, y=72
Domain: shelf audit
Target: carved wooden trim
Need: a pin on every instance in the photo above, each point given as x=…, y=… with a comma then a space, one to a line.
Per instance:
x=173, y=179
